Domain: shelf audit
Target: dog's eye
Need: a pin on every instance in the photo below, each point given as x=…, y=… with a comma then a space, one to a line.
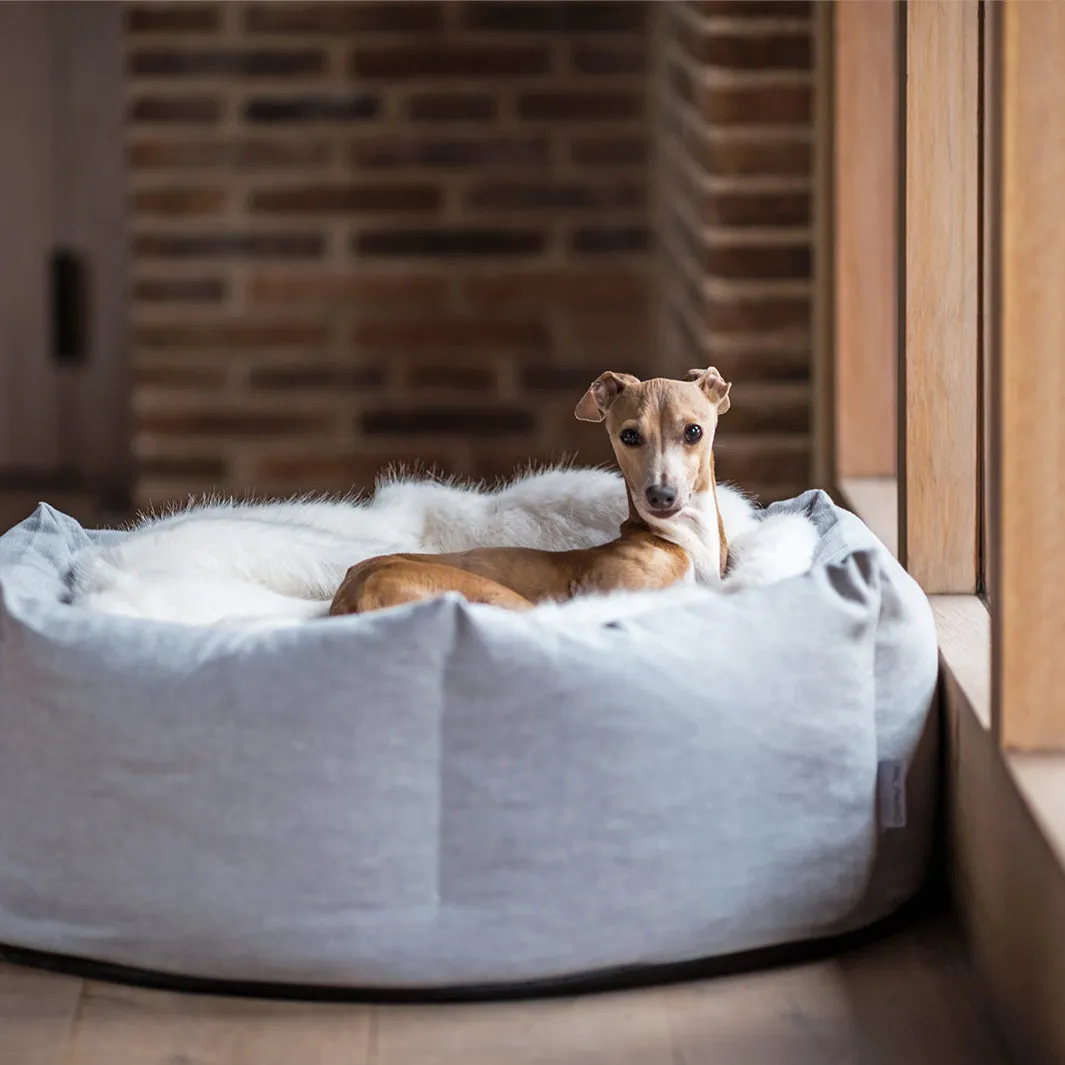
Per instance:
x=693, y=434
x=629, y=437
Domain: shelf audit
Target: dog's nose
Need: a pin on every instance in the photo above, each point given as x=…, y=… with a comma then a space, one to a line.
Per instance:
x=661, y=496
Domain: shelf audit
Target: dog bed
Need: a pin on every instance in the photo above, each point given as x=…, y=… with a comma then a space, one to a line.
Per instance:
x=447, y=796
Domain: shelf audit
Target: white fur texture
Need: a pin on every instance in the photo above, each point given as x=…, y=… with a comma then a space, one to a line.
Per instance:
x=282, y=561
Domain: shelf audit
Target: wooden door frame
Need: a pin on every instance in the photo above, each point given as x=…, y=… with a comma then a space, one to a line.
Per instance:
x=65, y=112
x=29, y=414
x=89, y=84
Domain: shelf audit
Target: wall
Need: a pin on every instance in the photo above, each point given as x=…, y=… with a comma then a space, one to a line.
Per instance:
x=367, y=232
x=400, y=231
x=735, y=158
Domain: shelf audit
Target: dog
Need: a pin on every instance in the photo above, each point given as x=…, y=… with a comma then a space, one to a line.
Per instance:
x=662, y=433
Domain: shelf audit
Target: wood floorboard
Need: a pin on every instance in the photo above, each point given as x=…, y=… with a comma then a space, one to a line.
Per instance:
x=901, y=1001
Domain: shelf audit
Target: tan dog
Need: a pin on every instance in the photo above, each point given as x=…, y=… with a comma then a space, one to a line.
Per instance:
x=662, y=432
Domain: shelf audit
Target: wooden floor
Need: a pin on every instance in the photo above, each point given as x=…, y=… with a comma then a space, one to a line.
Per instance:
x=899, y=1002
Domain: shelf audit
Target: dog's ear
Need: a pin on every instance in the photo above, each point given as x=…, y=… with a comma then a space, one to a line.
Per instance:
x=601, y=395
x=713, y=385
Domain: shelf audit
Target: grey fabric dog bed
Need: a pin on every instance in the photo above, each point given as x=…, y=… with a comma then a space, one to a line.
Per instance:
x=447, y=796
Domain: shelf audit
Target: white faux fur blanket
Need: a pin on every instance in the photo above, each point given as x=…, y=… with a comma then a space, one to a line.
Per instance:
x=283, y=561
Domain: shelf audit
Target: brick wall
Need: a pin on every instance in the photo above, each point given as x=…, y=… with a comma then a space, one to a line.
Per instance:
x=367, y=232
x=735, y=160
x=402, y=231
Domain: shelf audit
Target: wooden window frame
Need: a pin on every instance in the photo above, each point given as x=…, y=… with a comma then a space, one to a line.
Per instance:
x=940, y=305
x=977, y=506
x=865, y=168
x=990, y=221
x=1027, y=388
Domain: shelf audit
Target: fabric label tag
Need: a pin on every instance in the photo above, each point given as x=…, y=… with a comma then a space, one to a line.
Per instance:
x=891, y=794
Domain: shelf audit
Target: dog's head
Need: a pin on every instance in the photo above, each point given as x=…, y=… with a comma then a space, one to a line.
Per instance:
x=662, y=432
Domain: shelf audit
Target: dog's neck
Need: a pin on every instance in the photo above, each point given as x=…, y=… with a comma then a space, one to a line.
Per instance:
x=697, y=529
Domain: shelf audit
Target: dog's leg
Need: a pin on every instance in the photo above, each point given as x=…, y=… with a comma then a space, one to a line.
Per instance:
x=381, y=583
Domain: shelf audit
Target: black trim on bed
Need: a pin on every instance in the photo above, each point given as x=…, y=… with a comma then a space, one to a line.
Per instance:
x=928, y=902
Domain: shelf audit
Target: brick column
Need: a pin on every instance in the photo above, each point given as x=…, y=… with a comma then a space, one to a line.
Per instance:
x=734, y=129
